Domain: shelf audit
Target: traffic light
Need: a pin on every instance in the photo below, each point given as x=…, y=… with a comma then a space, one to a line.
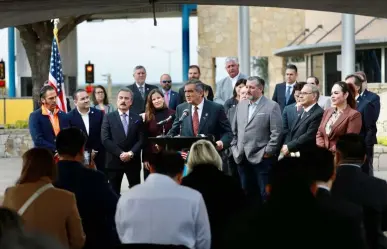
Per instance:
x=2, y=70
x=89, y=73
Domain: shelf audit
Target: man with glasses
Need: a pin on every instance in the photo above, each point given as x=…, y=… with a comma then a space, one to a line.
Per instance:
x=171, y=97
x=302, y=136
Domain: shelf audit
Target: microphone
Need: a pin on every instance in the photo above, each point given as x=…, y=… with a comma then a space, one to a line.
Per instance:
x=185, y=114
x=165, y=120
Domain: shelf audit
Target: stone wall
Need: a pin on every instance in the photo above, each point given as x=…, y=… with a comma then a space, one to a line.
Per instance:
x=13, y=143
x=381, y=89
x=380, y=158
x=270, y=29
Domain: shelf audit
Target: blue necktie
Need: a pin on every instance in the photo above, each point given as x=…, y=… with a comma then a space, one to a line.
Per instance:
x=124, y=123
x=287, y=96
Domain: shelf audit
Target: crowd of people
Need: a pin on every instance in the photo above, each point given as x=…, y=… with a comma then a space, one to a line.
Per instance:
x=294, y=170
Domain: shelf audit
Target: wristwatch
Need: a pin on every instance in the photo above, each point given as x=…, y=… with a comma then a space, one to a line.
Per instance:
x=131, y=154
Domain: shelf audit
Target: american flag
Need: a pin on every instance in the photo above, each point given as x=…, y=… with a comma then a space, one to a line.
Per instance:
x=55, y=77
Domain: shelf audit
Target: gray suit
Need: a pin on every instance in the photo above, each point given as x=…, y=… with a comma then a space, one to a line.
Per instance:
x=324, y=102
x=260, y=135
x=224, y=89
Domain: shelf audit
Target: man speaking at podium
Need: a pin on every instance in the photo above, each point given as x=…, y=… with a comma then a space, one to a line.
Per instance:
x=199, y=116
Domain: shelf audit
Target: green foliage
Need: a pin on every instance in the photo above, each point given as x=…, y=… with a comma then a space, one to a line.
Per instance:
x=382, y=141
x=20, y=124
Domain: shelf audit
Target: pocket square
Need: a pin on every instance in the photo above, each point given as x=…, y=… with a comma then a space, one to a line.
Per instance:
x=261, y=113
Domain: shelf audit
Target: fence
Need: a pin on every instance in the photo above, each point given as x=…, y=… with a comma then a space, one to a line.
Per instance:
x=15, y=109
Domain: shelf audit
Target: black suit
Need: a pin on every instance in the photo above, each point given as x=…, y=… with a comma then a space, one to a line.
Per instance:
x=279, y=96
x=115, y=141
x=94, y=135
x=289, y=116
x=374, y=99
x=302, y=136
x=206, y=88
x=370, y=193
x=138, y=105
x=213, y=121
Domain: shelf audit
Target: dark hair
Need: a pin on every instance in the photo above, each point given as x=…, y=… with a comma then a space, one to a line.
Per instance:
x=10, y=221
x=199, y=86
x=94, y=99
x=167, y=163
x=150, y=108
x=315, y=79
x=70, y=141
x=351, y=147
x=321, y=161
x=298, y=86
x=358, y=80
x=78, y=91
x=350, y=89
x=363, y=75
x=43, y=91
x=239, y=82
x=37, y=163
x=194, y=66
x=291, y=66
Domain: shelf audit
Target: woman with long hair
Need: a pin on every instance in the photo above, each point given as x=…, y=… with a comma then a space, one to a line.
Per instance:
x=100, y=100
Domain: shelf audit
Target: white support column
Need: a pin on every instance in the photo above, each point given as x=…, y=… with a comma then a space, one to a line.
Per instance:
x=383, y=66
x=244, y=39
x=348, y=45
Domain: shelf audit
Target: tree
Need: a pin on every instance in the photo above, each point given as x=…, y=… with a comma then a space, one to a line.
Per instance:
x=37, y=39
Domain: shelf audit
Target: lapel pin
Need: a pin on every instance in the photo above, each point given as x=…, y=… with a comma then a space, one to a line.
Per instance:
x=147, y=89
x=92, y=112
x=206, y=114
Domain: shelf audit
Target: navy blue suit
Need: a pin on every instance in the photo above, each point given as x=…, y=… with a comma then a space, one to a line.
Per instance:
x=279, y=96
x=289, y=116
x=41, y=130
x=96, y=202
x=94, y=137
x=174, y=100
x=374, y=99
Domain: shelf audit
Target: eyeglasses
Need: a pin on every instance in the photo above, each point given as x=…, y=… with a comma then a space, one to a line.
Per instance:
x=304, y=93
x=167, y=81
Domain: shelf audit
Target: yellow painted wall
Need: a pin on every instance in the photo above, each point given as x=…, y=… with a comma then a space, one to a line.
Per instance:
x=15, y=109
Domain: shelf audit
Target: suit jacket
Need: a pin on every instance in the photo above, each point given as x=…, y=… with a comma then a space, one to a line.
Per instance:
x=115, y=141
x=374, y=99
x=138, y=105
x=224, y=89
x=259, y=135
x=369, y=192
x=41, y=130
x=96, y=202
x=289, y=116
x=302, y=135
x=368, y=114
x=207, y=88
x=348, y=122
x=212, y=122
x=174, y=100
x=55, y=212
x=324, y=102
x=279, y=96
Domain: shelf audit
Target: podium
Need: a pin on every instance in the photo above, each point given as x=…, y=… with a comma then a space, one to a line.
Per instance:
x=178, y=143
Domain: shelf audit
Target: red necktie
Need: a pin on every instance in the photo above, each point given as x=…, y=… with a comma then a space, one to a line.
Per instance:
x=166, y=99
x=195, y=121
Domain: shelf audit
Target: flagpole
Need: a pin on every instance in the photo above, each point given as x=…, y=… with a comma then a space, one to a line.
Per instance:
x=56, y=22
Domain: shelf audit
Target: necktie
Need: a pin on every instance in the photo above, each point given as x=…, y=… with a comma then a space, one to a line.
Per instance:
x=195, y=121
x=166, y=98
x=124, y=123
x=141, y=88
x=287, y=96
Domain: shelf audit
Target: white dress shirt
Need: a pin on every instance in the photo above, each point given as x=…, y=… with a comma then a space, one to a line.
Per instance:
x=85, y=118
x=252, y=107
x=127, y=115
x=234, y=80
x=200, y=109
x=160, y=211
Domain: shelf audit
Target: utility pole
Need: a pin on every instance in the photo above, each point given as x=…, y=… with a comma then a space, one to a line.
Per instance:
x=109, y=84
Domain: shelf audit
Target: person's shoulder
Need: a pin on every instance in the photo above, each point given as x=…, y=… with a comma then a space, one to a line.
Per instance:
x=37, y=112
x=150, y=86
x=95, y=110
x=181, y=107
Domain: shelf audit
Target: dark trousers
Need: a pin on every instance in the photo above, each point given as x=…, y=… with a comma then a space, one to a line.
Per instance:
x=132, y=172
x=254, y=178
x=368, y=166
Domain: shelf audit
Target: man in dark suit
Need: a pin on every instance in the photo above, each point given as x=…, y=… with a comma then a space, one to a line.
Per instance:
x=96, y=201
x=283, y=91
x=202, y=117
x=302, y=135
x=171, y=97
x=46, y=122
x=89, y=120
x=194, y=73
x=353, y=185
x=140, y=90
x=123, y=137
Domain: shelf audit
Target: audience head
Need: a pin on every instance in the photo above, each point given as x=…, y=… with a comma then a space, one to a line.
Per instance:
x=238, y=86
x=313, y=80
x=203, y=152
x=350, y=148
x=232, y=66
x=10, y=222
x=70, y=144
x=168, y=163
x=343, y=94
x=291, y=73
x=193, y=72
x=100, y=95
x=81, y=99
x=155, y=101
x=255, y=88
x=48, y=97
x=166, y=82
x=356, y=81
x=124, y=99
x=194, y=91
x=297, y=89
x=139, y=74
x=309, y=95
x=37, y=163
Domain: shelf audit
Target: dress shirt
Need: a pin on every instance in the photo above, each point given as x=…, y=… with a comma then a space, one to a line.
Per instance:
x=324, y=187
x=200, y=109
x=85, y=118
x=160, y=211
x=234, y=80
x=127, y=115
x=252, y=107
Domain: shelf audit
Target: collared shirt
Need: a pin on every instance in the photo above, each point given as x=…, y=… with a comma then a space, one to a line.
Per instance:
x=291, y=87
x=332, y=120
x=54, y=119
x=307, y=109
x=234, y=80
x=85, y=118
x=323, y=187
x=350, y=164
x=127, y=115
x=200, y=109
x=252, y=107
x=160, y=211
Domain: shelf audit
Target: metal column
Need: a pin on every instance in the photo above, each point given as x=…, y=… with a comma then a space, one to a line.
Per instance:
x=244, y=39
x=348, y=45
x=11, y=62
x=185, y=46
